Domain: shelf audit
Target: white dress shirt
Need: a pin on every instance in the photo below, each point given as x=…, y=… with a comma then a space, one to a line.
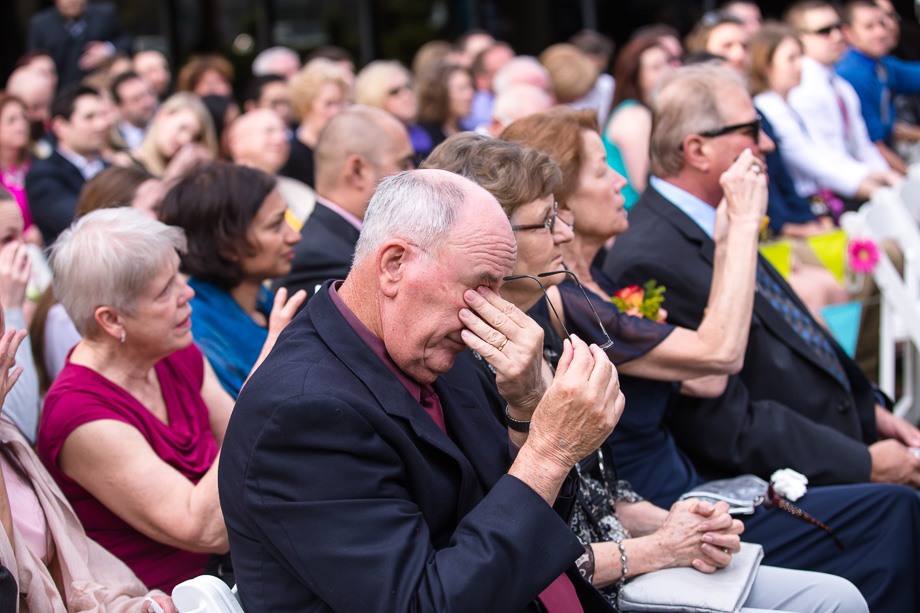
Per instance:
x=812, y=163
x=89, y=168
x=816, y=102
x=133, y=135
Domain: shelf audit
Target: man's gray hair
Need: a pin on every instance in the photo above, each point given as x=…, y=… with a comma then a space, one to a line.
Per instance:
x=263, y=63
x=418, y=206
x=109, y=258
x=686, y=101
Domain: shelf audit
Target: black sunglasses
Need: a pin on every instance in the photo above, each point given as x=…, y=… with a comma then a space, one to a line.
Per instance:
x=825, y=31
x=754, y=126
x=399, y=90
x=548, y=224
x=750, y=125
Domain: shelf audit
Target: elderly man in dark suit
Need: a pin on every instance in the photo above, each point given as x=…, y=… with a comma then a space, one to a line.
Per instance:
x=53, y=185
x=363, y=468
x=78, y=36
x=355, y=150
x=799, y=401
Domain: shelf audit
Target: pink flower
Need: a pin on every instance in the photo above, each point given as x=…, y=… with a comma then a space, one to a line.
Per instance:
x=863, y=255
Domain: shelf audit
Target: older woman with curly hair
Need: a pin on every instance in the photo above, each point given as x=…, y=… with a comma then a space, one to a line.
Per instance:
x=206, y=75
x=132, y=426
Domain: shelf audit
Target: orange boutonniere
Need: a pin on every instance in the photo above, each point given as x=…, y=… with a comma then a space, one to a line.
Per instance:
x=642, y=301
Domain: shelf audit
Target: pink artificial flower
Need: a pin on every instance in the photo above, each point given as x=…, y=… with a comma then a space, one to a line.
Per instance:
x=863, y=255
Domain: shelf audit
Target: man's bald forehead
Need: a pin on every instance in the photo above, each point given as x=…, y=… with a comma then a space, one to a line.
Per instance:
x=25, y=79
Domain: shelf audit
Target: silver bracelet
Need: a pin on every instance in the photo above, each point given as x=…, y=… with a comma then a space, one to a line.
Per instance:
x=624, y=570
x=516, y=424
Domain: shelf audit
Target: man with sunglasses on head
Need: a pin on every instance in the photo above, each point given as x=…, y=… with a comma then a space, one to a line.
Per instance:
x=798, y=401
x=830, y=113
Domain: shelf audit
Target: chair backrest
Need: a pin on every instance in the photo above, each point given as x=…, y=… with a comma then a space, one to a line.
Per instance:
x=205, y=594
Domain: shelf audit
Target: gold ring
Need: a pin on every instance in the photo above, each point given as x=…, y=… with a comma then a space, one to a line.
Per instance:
x=756, y=168
x=504, y=342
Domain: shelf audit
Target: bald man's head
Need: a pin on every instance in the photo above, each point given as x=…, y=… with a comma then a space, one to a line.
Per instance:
x=258, y=139
x=516, y=102
x=36, y=89
x=365, y=134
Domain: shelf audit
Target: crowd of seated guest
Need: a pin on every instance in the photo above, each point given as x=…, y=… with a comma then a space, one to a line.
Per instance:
x=185, y=232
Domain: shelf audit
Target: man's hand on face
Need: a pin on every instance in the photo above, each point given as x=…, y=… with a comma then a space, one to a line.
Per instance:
x=512, y=343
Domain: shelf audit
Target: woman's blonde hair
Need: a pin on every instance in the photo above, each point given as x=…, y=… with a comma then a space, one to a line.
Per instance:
x=373, y=82
x=305, y=85
x=149, y=154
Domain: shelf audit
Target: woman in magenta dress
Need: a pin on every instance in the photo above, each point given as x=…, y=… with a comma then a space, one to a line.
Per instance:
x=132, y=426
x=15, y=159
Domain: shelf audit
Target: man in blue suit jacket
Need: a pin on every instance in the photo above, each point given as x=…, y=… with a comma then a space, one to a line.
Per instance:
x=363, y=468
x=53, y=185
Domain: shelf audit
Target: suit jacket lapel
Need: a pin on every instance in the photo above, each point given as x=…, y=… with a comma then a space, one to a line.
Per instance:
x=770, y=317
x=672, y=215
x=337, y=225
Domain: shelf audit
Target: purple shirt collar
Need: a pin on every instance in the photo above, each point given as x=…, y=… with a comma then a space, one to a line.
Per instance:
x=373, y=341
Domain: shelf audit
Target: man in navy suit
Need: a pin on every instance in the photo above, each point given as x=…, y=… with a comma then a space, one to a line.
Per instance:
x=53, y=184
x=355, y=150
x=78, y=36
x=799, y=402
x=363, y=468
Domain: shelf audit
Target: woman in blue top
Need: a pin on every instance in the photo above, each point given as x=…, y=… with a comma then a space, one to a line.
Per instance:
x=234, y=219
x=639, y=66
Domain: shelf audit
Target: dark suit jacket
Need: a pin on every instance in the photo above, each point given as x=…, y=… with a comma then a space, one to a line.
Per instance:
x=784, y=409
x=341, y=493
x=324, y=252
x=53, y=187
x=48, y=31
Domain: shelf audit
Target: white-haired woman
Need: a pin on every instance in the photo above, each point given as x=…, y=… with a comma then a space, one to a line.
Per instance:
x=132, y=426
x=181, y=136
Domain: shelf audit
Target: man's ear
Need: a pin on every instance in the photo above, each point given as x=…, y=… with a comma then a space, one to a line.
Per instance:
x=59, y=127
x=110, y=321
x=696, y=152
x=358, y=173
x=391, y=266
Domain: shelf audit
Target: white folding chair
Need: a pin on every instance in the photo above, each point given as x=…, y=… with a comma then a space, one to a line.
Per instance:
x=885, y=217
x=205, y=594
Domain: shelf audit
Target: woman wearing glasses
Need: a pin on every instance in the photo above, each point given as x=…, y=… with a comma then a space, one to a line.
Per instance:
x=613, y=521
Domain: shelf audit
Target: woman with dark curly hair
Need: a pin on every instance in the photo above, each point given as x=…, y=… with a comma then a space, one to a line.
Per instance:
x=238, y=238
x=445, y=95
